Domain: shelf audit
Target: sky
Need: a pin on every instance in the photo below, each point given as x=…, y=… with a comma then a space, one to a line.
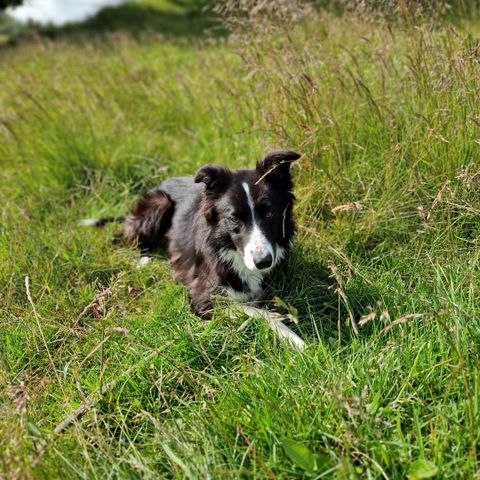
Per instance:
x=58, y=12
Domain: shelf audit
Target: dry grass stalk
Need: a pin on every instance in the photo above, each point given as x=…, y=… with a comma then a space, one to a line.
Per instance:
x=90, y=401
x=401, y=320
x=344, y=258
x=427, y=216
x=348, y=207
x=40, y=329
x=271, y=169
x=341, y=293
x=284, y=219
x=240, y=15
x=437, y=200
x=98, y=304
x=93, y=399
x=367, y=318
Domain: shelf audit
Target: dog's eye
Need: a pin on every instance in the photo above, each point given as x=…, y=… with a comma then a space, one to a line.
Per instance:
x=234, y=219
x=267, y=214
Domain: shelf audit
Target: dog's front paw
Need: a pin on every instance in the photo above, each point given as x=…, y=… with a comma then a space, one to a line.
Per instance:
x=202, y=308
x=144, y=260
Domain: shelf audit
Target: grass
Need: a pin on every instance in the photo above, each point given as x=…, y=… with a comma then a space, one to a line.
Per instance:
x=386, y=116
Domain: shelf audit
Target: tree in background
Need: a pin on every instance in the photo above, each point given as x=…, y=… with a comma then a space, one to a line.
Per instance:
x=193, y=5
x=9, y=3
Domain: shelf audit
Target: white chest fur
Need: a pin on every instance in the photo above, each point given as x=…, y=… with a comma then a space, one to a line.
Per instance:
x=252, y=279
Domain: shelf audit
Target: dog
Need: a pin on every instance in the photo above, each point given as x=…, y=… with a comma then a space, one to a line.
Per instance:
x=225, y=230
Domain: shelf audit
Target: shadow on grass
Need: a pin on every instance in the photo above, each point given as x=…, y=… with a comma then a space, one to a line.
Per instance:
x=137, y=20
x=307, y=285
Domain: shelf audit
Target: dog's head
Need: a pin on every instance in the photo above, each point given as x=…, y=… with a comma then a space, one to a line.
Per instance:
x=249, y=212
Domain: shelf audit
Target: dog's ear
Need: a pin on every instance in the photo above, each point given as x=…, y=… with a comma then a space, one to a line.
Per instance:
x=275, y=166
x=215, y=177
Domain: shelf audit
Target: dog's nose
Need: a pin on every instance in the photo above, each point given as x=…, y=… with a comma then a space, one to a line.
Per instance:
x=263, y=261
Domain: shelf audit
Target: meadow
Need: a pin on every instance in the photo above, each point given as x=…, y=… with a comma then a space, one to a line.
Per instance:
x=384, y=276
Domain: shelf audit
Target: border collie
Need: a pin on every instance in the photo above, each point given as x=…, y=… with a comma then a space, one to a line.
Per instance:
x=225, y=230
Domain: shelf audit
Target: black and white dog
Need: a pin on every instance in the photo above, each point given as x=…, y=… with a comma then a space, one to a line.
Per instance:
x=225, y=230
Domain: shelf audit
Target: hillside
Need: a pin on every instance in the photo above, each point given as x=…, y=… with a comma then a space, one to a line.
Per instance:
x=384, y=277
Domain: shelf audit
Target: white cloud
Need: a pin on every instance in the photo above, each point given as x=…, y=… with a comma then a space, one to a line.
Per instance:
x=58, y=12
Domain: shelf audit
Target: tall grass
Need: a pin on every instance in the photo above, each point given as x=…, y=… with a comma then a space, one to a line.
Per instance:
x=385, y=112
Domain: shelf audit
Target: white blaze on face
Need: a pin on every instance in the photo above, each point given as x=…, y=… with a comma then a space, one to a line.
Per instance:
x=257, y=244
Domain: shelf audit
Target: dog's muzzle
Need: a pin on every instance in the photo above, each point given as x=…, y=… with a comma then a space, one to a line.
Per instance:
x=262, y=260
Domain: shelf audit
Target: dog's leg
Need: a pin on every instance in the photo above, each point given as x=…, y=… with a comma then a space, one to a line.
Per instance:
x=274, y=321
x=200, y=299
x=202, y=307
x=150, y=220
